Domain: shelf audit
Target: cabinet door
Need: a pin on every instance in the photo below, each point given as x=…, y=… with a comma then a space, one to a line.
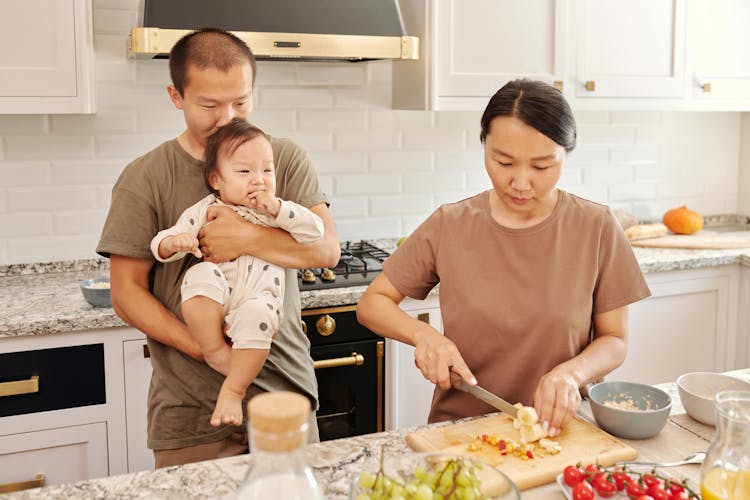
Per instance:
x=719, y=43
x=409, y=393
x=45, y=56
x=688, y=324
x=137, y=379
x=630, y=49
x=62, y=455
x=482, y=44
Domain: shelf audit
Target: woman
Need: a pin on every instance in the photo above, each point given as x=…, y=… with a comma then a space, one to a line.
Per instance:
x=535, y=282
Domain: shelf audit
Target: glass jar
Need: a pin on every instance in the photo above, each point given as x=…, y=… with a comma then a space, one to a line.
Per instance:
x=278, y=426
x=725, y=474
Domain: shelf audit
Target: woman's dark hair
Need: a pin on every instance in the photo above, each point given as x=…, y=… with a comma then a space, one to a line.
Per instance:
x=207, y=48
x=538, y=105
x=226, y=140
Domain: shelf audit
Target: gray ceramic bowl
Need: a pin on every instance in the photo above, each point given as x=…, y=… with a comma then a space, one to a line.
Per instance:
x=96, y=292
x=697, y=391
x=629, y=410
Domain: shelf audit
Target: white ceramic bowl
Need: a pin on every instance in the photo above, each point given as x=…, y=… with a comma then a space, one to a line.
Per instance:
x=494, y=484
x=697, y=391
x=629, y=410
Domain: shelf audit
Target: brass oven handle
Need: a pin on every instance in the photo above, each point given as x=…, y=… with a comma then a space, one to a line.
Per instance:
x=325, y=325
x=355, y=359
x=37, y=482
x=17, y=387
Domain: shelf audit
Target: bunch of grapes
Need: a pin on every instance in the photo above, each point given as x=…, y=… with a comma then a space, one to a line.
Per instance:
x=455, y=480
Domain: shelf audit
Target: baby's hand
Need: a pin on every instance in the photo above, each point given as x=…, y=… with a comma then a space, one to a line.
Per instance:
x=183, y=242
x=265, y=202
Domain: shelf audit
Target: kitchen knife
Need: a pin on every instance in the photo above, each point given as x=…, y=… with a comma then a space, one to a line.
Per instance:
x=489, y=398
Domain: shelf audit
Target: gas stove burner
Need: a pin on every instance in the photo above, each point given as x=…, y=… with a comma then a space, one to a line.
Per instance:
x=359, y=264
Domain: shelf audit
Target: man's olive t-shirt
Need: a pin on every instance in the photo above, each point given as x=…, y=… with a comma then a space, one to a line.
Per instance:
x=149, y=196
x=516, y=302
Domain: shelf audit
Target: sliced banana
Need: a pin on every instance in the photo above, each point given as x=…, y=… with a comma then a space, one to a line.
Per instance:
x=527, y=421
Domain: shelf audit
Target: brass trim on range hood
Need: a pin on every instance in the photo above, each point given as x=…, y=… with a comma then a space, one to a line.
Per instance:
x=152, y=43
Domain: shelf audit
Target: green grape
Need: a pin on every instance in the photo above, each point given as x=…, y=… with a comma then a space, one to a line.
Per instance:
x=423, y=493
x=363, y=496
x=366, y=480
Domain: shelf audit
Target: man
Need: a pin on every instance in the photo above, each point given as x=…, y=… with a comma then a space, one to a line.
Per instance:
x=212, y=73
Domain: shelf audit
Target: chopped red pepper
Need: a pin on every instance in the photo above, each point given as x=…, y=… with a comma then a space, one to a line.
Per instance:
x=529, y=454
x=501, y=445
x=484, y=438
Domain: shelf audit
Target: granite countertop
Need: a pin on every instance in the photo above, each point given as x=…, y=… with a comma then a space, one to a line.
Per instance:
x=335, y=464
x=45, y=298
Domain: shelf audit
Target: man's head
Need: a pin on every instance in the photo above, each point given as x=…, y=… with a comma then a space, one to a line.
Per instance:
x=213, y=73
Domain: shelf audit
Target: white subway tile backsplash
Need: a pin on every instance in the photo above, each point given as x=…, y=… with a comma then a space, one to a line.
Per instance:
x=585, y=155
x=45, y=147
x=468, y=120
x=269, y=120
x=400, y=161
x=339, y=162
x=125, y=146
x=310, y=141
x=121, y=95
x=591, y=118
x=434, y=139
x=273, y=73
x=633, y=191
x=373, y=140
x=113, y=21
x=367, y=184
x=25, y=174
x=3, y=201
x=53, y=198
x=86, y=172
x=477, y=180
x=25, y=224
x=603, y=174
x=114, y=121
x=400, y=205
x=310, y=119
x=169, y=122
x=343, y=207
x=153, y=72
x=379, y=72
x=600, y=134
x=373, y=97
x=117, y=4
x=571, y=176
x=434, y=182
x=592, y=192
x=635, y=153
x=454, y=196
x=470, y=159
x=336, y=74
x=649, y=135
x=400, y=119
x=103, y=196
x=635, y=117
x=294, y=98
x=368, y=228
x=23, y=124
x=649, y=172
x=80, y=222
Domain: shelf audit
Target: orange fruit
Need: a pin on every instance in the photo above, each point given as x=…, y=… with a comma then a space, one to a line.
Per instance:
x=682, y=220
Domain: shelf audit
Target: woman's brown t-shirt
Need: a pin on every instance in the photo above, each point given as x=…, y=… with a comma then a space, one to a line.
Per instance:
x=516, y=302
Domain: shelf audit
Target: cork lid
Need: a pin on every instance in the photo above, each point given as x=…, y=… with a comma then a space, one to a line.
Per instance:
x=278, y=420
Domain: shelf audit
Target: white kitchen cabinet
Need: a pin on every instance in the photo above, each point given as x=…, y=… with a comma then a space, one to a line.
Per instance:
x=719, y=42
x=137, y=364
x=46, y=57
x=688, y=324
x=49, y=423
x=409, y=393
x=471, y=48
x=629, y=49
x=54, y=456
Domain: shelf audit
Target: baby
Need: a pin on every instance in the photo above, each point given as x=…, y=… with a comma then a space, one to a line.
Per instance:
x=247, y=293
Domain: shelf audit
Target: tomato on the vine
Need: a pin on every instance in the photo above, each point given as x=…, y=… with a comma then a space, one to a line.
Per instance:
x=593, y=469
x=622, y=480
x=573, y=475
x=635, y=489
x=604, y=486
x=680, y=495
x=583, y=491
x=657, y=492
x=643, y=497
x=675, y=488
x=650, y=480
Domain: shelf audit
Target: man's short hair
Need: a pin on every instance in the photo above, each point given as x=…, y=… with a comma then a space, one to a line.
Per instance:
x=207, y=48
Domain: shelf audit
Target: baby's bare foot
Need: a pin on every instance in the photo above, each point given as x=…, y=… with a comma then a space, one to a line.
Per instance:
x=228, y=408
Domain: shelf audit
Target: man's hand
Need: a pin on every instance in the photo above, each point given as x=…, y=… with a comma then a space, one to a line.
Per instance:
x=183, y=242
x=225, y=237
x=264, y=202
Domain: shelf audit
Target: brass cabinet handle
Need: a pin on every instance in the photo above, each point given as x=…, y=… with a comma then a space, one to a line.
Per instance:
x=558, y=84
x=706, y=87
x=590, y=85
x=37, y=482
x=355, y=359
x=325, y=325
x=20, y=387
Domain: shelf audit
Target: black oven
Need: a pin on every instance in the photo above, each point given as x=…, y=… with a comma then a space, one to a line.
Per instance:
x=350, y=369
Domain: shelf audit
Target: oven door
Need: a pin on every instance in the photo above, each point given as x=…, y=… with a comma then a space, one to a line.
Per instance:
x=350, y=388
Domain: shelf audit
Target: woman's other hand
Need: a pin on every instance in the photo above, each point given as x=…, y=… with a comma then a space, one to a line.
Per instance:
x=436, y=356
x=557, y=398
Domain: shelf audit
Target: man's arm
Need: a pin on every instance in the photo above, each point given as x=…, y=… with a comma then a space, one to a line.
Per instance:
x=228, y=236
x=133, y=302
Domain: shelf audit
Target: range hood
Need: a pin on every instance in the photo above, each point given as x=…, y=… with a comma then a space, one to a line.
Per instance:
x=352, y=30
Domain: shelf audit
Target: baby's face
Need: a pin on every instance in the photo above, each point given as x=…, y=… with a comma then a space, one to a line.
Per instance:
x=249, y=169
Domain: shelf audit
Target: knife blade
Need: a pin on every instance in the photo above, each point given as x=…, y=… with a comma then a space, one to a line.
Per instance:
x=491, y=399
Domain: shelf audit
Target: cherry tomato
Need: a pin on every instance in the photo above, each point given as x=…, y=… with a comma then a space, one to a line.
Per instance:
x=650, y=480
x=635, y=489
x=658, y=492
x=604, y=486
x=643, y=497
x=675, y=488
x=680, y=495
x=622, y=480
x=583, y=491
x=593, y=469
x=573, y=475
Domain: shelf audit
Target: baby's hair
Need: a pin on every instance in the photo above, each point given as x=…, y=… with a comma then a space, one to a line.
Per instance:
x=227, y=139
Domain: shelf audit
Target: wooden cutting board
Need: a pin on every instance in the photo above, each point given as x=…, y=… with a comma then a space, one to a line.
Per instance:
x=581, y=441
x=700, y=240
